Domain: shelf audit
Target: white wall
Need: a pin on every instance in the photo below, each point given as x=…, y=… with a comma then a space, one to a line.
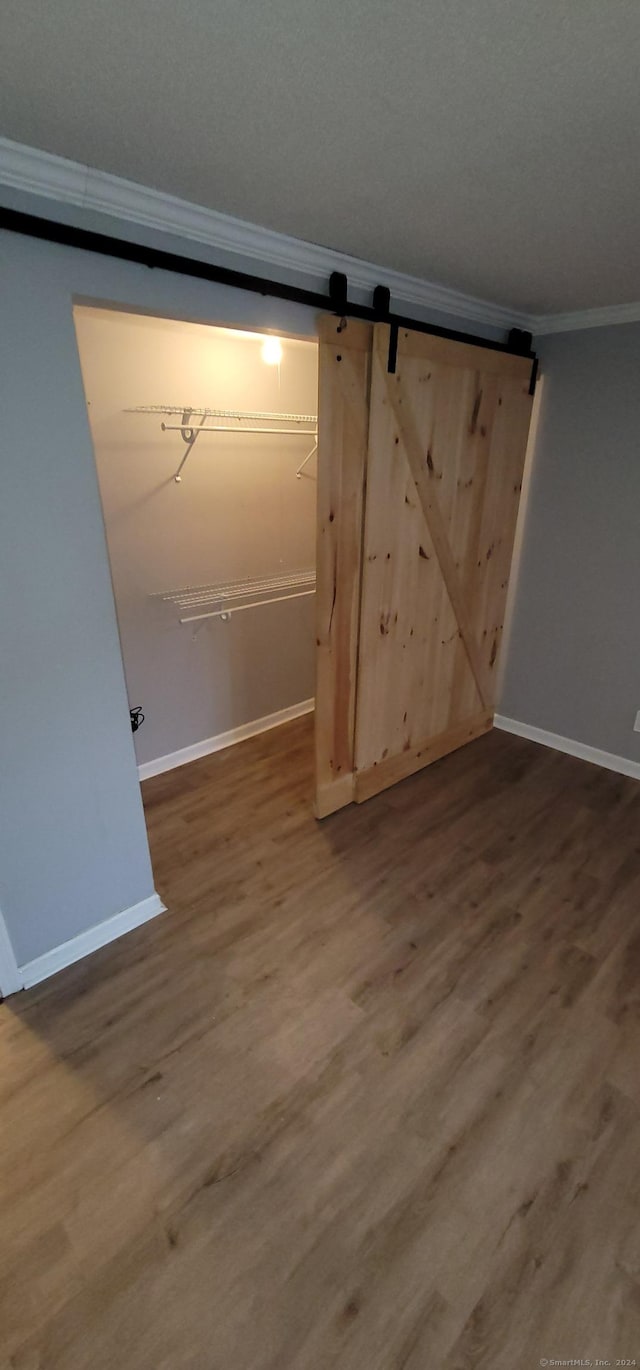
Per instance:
x=73, y=847
x=238, y=511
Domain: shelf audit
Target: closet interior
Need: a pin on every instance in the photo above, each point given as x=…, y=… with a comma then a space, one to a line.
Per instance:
x=205, y=447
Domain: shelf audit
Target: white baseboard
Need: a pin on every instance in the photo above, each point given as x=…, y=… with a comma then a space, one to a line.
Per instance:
x=10, y=975
x=222, y=740
x=622, y=764
x=91, y=940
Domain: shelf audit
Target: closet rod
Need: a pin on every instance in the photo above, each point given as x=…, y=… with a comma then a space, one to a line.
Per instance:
x=225, y=614
x=190, y=431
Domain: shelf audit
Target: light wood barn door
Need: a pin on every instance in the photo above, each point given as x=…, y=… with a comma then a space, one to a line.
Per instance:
x=446, y=448
x=343, y=422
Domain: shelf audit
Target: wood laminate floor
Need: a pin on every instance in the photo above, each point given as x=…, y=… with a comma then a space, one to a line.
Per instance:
x=367, y=1096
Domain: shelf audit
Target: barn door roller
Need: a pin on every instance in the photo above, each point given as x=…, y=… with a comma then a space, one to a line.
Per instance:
x=336, y=299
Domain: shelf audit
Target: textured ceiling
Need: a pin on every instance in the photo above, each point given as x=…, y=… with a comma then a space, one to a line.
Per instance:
x=490, y=145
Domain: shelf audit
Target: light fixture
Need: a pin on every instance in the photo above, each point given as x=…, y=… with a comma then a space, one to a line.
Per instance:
x=272, y=351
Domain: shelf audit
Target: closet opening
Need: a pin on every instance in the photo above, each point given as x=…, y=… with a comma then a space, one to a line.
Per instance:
x=205, y=443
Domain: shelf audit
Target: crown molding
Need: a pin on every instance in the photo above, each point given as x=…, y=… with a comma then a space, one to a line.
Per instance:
x=602, y=317
x=70, y=183
x=56, y=178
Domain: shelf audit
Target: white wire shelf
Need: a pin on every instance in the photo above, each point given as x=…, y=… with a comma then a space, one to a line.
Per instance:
x=240, y=414
x=222, y=600
x=190, y=431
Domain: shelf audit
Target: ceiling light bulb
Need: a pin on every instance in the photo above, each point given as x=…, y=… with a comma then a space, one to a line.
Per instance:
x=272, y=351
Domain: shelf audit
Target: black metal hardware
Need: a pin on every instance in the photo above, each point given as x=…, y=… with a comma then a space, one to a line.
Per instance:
x=520, y=342
x=393, y=349
x=338, y=292
x=534, y=376
x=106, y=245
x=382, y=301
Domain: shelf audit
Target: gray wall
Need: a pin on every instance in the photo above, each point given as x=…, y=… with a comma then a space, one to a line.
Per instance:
x=238, y=511
x=73, y=842
x=573, y=662
x=73, y=847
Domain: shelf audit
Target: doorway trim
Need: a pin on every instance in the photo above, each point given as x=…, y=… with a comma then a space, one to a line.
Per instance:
x=11, y=978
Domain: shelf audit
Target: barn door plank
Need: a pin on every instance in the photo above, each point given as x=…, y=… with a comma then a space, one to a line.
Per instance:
x=343, y=420
x=422, y=471
x=447, y=439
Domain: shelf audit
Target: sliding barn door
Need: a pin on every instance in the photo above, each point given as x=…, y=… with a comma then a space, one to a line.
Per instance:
x=447, y=438
x=343, y=423
x=419, y=478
